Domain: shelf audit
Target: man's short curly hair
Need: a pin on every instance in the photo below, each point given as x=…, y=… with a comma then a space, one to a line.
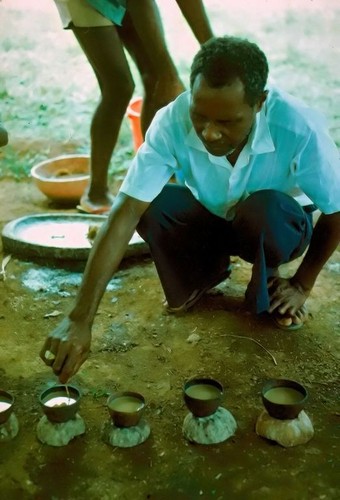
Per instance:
x=223, y=59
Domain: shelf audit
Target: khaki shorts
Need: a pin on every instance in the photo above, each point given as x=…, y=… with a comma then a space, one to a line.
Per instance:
x=80, y=13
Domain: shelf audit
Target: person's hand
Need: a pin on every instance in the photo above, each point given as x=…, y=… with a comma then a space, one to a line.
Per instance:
x=286, y=297
x=66, y=348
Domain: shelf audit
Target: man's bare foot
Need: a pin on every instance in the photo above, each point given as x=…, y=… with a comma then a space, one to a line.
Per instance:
x=288, y=322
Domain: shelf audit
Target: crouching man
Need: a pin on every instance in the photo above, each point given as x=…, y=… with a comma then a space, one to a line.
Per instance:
x=252, y=164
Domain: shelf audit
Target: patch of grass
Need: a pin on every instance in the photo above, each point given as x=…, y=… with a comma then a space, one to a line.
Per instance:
x=14, y=165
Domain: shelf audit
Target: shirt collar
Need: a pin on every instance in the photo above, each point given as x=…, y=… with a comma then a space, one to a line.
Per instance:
x=260, y=139
x=192, y=140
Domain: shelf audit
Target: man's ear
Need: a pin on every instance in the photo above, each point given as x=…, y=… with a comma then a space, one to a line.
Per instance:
x=261, y=100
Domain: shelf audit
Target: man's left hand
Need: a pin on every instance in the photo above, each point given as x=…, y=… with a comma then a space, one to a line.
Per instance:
x=286, y=297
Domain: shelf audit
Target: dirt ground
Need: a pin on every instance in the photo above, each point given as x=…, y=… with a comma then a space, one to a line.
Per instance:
x=136, y=346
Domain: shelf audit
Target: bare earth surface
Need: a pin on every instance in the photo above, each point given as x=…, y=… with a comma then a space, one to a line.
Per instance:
x=136, y=346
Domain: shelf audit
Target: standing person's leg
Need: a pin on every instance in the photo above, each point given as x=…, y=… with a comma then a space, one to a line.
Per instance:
x=104, y=51
x=143, y=36
x=271, y=229
x=188, y=245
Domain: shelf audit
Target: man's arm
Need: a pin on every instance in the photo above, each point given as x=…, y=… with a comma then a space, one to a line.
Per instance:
x=68, y=346
x=196, y=16
x=288, y=296
x=325, y=239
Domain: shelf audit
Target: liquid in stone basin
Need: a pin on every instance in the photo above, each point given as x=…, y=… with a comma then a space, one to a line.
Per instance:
x=58, y=235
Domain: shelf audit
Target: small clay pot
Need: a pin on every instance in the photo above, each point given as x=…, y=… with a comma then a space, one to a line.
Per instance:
x=283, y=399
x=126, y=408
x=8, y=399
x=202, y=396
x=60, y=403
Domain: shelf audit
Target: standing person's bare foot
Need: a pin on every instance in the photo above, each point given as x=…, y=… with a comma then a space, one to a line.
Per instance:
x=98, y=206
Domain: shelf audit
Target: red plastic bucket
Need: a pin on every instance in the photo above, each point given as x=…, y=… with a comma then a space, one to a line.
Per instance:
x=133, y=112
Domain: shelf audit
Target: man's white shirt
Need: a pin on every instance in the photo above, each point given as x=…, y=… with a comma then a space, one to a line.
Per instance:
x=289, y=149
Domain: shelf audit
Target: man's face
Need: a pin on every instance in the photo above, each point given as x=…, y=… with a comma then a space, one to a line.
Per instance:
x=221, y=117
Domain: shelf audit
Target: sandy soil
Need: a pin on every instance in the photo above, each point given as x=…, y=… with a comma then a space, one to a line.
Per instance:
x=138, y=347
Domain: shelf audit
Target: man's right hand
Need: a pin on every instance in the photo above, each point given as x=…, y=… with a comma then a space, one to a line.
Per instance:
x=66, y=348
